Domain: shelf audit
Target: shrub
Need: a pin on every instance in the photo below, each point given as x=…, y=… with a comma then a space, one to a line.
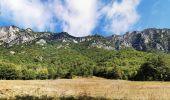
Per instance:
x=8, y=71
x=42, y=74
x=153, y=69
x=28, y=74
x=109, y=72
x=52, y=73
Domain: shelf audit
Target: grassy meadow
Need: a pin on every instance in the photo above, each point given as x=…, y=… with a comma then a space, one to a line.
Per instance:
x=83, y=88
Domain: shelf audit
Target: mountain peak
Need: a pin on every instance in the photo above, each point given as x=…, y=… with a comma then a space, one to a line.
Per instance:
x=146, y=40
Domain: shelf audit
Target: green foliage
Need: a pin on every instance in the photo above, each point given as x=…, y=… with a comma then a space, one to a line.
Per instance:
x=8, y=71
x=42, y=74
x=66, y=60
x=110, y=73
x=153, y=69
x=28, y=74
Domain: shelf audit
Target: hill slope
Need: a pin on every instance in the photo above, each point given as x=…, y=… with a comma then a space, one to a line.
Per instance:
x=147, y=40
x=25, y=54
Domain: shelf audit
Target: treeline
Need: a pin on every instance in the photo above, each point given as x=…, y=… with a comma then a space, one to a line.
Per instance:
x=51, y=62
x=153, y=69
x=13, y=72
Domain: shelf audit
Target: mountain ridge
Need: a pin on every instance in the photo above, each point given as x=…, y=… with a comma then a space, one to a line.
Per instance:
x=25, y=54
x=146, y=40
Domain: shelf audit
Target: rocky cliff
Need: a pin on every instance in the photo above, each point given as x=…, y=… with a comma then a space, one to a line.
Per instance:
x=147, y=40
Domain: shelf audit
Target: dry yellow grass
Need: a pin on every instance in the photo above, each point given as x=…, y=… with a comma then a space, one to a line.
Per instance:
x=113, y=89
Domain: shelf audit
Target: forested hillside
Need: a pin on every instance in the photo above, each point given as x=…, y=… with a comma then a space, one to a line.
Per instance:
x=63, y=60
x=25, y=54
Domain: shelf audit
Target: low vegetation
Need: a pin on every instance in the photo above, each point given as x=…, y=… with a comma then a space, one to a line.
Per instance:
x=67, y=60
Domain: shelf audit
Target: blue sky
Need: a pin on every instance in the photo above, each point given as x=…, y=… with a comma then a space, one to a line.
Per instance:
x=86, y=17
x=153, y=13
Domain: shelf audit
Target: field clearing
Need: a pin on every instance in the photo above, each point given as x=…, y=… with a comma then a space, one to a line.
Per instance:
x=95, y=87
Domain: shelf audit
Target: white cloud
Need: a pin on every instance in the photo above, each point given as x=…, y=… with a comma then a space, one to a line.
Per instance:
x=27, y=13
x=77, y=17
x=120, y=15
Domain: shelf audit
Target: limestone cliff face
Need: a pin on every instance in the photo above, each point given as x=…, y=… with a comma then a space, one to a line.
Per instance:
x=149, y=39
x=12, y=35
x=146, y=40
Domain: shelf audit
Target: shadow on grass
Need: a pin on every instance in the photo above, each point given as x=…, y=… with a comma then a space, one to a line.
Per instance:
x=85, y=97
x=28, y=97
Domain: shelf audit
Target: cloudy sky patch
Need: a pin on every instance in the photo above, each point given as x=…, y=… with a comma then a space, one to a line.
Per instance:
x=81, y=17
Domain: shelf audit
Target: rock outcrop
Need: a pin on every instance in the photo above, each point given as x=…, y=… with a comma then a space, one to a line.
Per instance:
x=146, y=40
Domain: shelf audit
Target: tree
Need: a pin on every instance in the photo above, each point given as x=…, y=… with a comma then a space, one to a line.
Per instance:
x=9, y=72
x=153, y=69
x=42, y=74
x=51, y=72
x=28, y=74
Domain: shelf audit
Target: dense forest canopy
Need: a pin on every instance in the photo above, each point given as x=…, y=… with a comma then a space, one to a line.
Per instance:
x=66, y=60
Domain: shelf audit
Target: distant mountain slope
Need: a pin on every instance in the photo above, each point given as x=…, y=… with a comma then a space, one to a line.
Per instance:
x=147, y=40
x=25, y=54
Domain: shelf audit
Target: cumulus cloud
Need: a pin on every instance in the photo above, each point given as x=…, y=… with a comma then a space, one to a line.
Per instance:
x=27, y=13
x=77, y=17
x=120, y=15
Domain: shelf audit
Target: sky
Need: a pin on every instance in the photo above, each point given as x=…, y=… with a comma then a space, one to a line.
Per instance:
x=86, y=17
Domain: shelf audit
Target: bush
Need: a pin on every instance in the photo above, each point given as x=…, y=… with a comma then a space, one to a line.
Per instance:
x=154, y=69
x=146, y=72
x=42, y=74
x=9, y=72
x=109, y=72
x=28, y=74
x=52, y=73
x=69, y=75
